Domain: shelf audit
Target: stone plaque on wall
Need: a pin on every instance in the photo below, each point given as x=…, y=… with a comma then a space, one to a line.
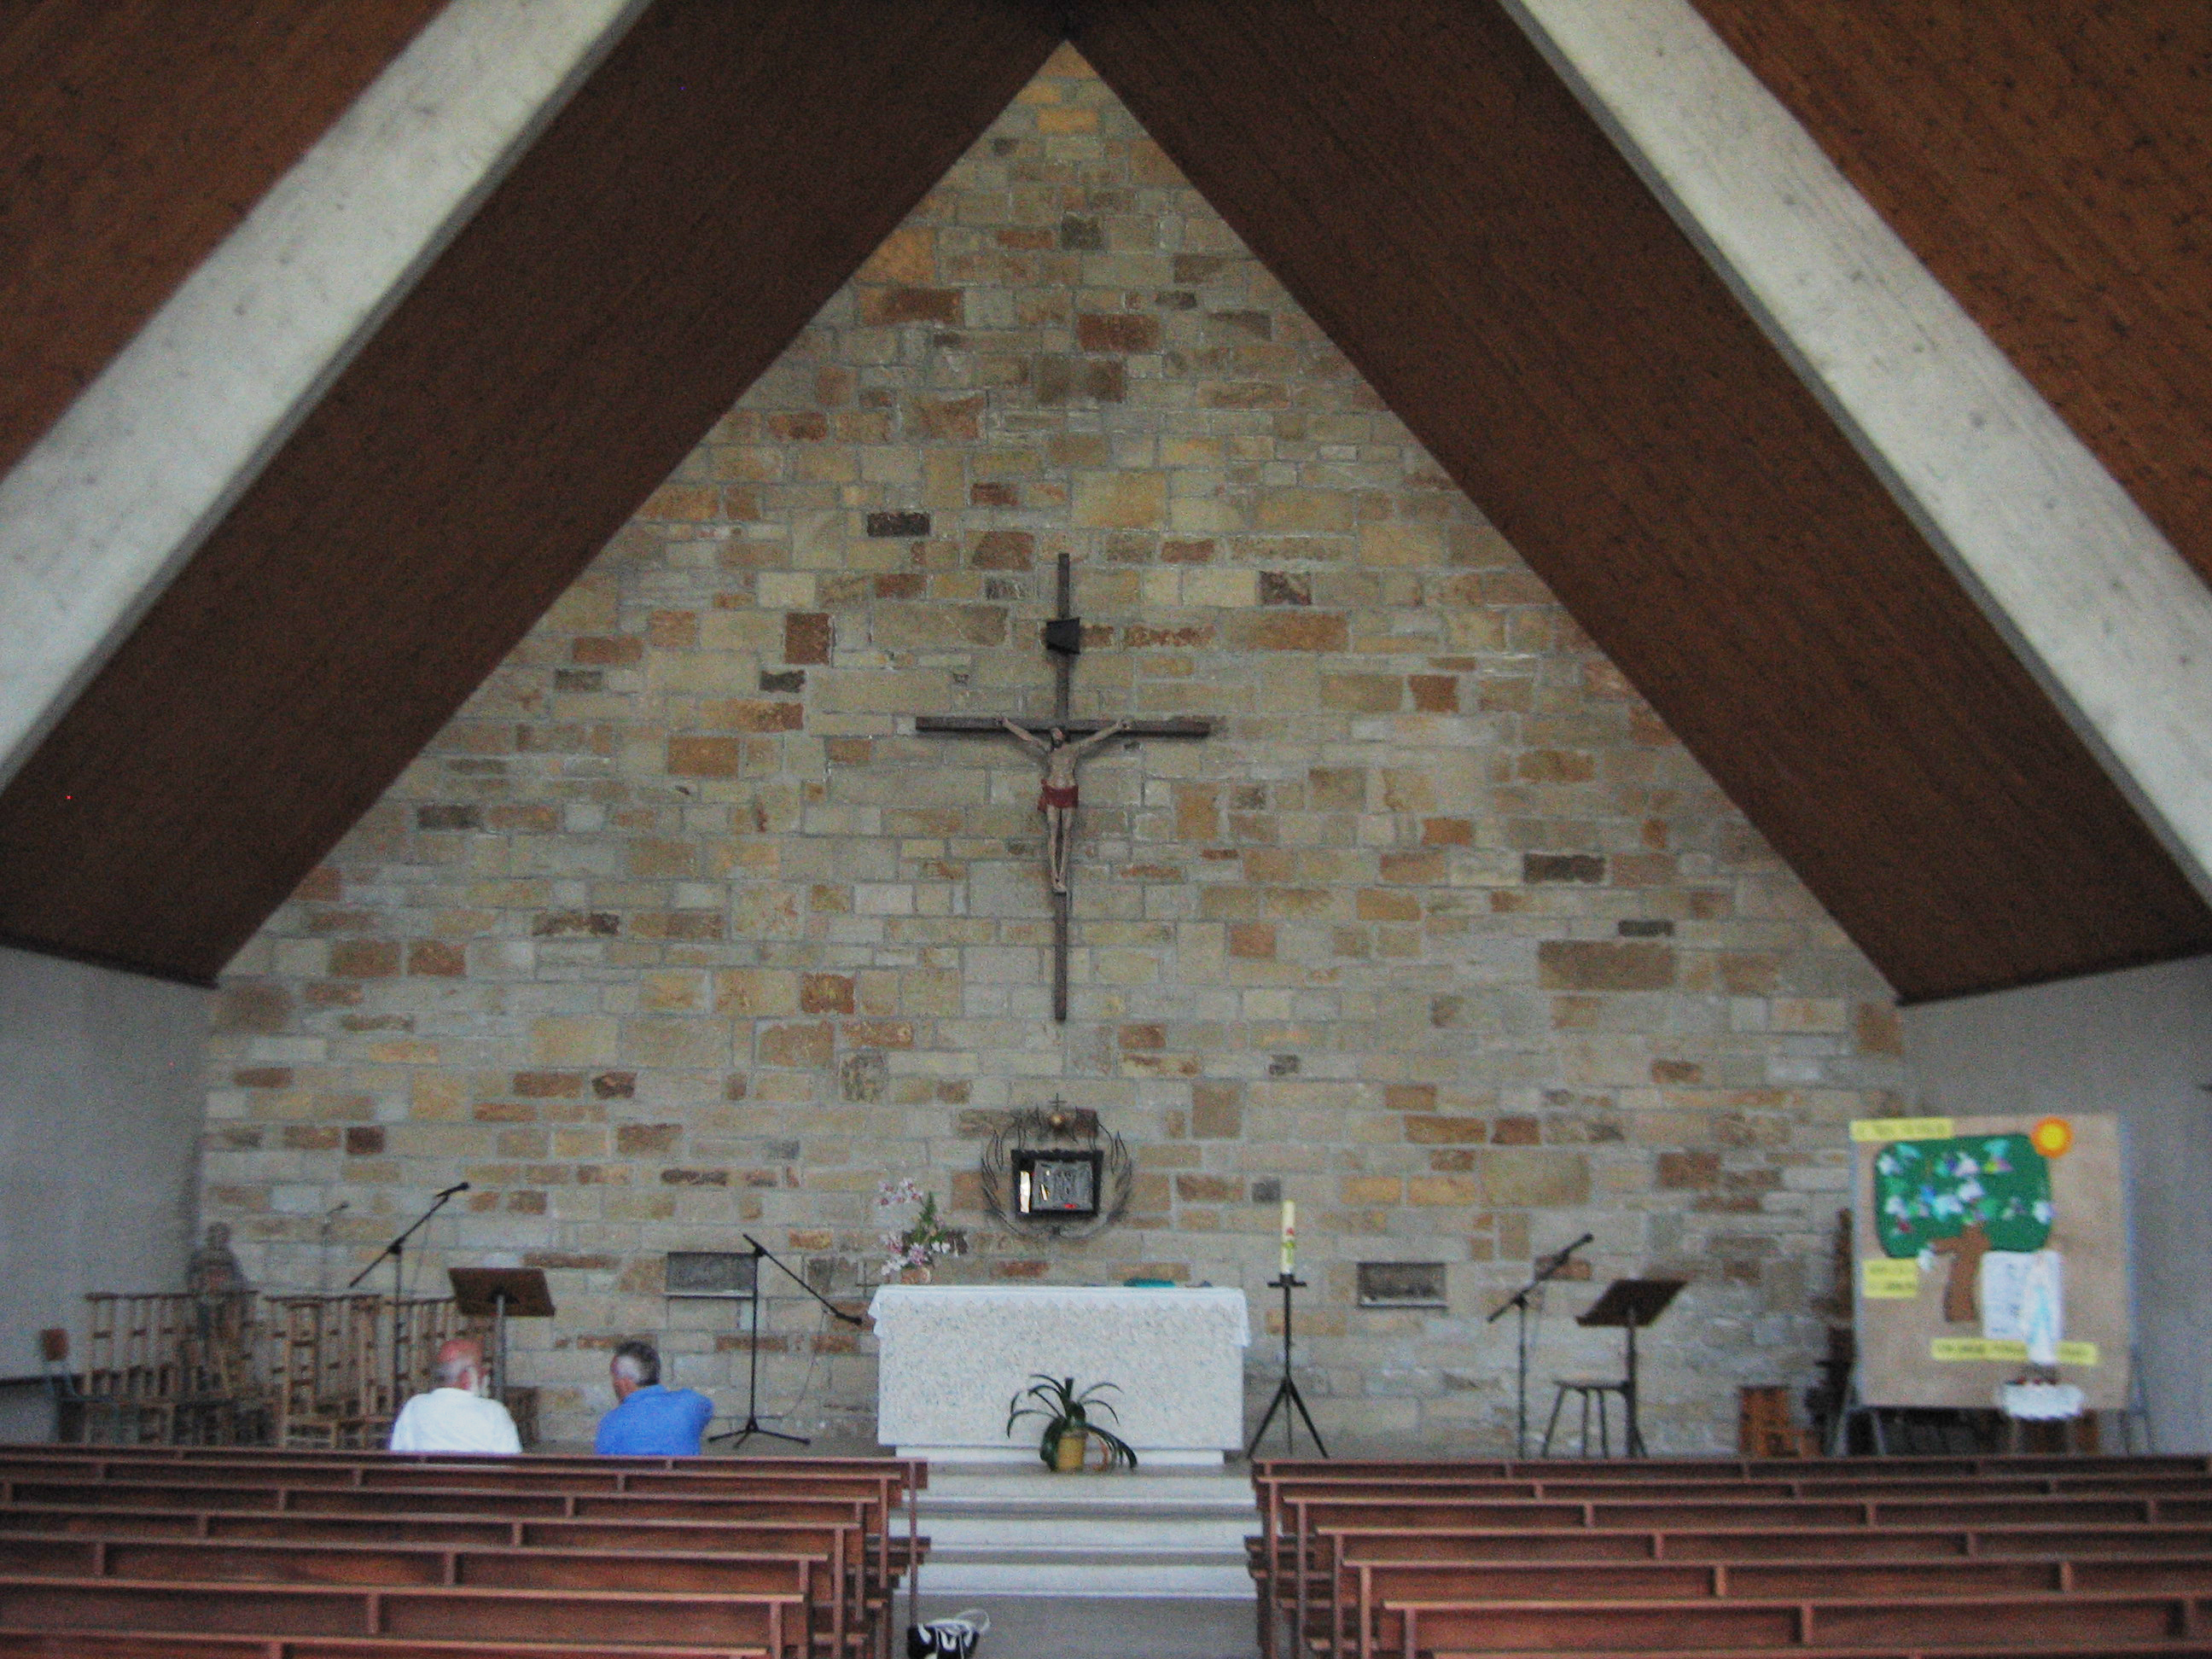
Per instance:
x=1402, y=1284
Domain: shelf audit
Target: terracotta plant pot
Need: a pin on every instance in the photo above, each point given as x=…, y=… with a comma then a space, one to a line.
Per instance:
x=914, y=1275
x=1067, y=1456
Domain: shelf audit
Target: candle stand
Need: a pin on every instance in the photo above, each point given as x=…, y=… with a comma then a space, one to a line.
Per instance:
x=1287, y=1389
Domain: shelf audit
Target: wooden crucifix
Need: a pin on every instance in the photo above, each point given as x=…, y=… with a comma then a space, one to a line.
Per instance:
x=1060, y=745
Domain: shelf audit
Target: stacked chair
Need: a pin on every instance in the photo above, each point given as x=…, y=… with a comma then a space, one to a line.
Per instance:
x=232, y=1368
x=229, y=1554
x=1964, y=1557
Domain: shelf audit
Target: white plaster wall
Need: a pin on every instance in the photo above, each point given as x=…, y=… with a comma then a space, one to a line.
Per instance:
x=2138, y=1044
x=101, y=1099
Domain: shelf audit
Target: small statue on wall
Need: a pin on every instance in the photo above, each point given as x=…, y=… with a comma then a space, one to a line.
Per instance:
x=214, y=1269
x=1057, y=799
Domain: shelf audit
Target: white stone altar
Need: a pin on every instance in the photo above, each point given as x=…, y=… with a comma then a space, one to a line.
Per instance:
x=952, y=1355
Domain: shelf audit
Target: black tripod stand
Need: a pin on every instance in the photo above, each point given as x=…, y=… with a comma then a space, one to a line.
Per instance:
x=1519, y=1300
x=1288, y=1388
x=751, y=1426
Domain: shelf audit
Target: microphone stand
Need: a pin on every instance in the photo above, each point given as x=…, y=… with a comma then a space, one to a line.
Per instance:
x=1519, y=1301
x=751, y=1426
x=397, y=1251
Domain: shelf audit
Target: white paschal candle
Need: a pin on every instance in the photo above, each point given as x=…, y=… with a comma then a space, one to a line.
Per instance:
x=1290, y=1237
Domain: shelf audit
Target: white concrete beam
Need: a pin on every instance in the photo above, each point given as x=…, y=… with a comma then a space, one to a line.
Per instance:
x=109, y=504
x=2113, y=621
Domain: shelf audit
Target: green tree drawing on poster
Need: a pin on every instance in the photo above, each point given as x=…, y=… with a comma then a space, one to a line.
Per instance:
x=1961, y=1198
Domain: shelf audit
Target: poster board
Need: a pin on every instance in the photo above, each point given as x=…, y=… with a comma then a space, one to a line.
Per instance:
x=1972, y=1236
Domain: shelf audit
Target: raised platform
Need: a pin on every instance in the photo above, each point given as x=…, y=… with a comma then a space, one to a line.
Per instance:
x=1005, y=1530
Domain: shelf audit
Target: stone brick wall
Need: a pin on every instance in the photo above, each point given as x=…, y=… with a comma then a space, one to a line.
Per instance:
x=679, y=931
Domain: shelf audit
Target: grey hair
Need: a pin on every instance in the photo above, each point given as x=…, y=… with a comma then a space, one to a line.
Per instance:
x=638, y=1360
x=450, y=1371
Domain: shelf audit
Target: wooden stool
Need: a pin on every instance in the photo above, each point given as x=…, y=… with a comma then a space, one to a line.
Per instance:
x=1589, y=1389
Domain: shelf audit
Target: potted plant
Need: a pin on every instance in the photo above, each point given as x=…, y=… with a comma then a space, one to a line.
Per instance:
x=1068, y=1427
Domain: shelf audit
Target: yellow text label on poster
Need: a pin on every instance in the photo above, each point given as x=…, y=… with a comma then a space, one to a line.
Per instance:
x=1976, y=1347
x=1990, y=1348
x=1890, y=1280
x=1900, y=1128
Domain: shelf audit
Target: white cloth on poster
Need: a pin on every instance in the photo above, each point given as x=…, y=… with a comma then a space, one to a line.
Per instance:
x=2023, y=1297
x=952, y=1355
x=454, y=1421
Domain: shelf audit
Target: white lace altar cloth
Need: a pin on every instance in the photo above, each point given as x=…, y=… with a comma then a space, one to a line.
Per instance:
x=952, y=1356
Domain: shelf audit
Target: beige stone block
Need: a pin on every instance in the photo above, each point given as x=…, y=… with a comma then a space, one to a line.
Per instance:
x=1324, y=511
x=1597, y=965
x=573, y=1042
x=1124, y=967
x=757, y=992
x=686, y=1044
x=1160, y=590
x=1121, y=500
x=1213, y=588
x=671, y=992
x=1532, y=1177
x=784, y=589
x=1401, y=544
x=1814, y=1014
x=929, y=627
x=1373, y=1189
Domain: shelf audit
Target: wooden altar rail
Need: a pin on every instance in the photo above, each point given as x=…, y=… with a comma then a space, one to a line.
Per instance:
x=2030, y=1556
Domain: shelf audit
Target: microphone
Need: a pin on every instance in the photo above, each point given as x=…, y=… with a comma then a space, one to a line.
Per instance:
x=458, y=1186
x=1559, y=1260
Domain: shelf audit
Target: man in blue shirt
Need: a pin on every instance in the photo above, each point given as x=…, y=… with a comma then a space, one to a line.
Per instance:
x=649, y=1420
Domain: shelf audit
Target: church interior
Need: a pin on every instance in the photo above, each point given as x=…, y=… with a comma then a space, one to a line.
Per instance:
x=1335, y=714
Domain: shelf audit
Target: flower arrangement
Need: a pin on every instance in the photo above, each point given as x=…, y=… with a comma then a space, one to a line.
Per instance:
x=922, y=1240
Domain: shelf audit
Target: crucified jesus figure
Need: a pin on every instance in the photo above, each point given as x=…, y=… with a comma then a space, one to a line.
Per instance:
x=1057, y=798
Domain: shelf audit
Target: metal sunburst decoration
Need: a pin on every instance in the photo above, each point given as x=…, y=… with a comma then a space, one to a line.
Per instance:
x=1025, y=1145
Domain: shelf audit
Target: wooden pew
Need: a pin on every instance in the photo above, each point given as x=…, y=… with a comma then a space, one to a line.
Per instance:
x=182, y=1645
x=776, y=1625
x=1314, y=1521
x=229, y=1494
x=867, y=1500
x=1322, y=1524
x=895, y=1481
x=2001, y=1626
x=376, y=1549
x=840, y=1541
x=1380, y=1587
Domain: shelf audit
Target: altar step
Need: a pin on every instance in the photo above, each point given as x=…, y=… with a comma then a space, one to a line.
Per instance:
x=996, y=1530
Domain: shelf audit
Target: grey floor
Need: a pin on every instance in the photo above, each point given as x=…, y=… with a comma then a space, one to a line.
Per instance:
x=1101, y=1627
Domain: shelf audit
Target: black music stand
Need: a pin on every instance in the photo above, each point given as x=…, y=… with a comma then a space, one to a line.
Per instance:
x=500, y=1293
x=1633, y=1302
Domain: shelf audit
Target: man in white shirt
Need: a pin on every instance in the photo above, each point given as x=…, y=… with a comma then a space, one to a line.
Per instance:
x=453, y=1417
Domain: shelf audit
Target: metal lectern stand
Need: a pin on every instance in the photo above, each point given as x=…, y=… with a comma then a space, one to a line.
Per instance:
x=500, y=1293
x=1287, y=1389
x=1631, y=1303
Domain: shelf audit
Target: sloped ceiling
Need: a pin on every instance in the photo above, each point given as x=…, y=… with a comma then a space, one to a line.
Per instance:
x=128, y=152
x=2049, y=164
x=1427, y=190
